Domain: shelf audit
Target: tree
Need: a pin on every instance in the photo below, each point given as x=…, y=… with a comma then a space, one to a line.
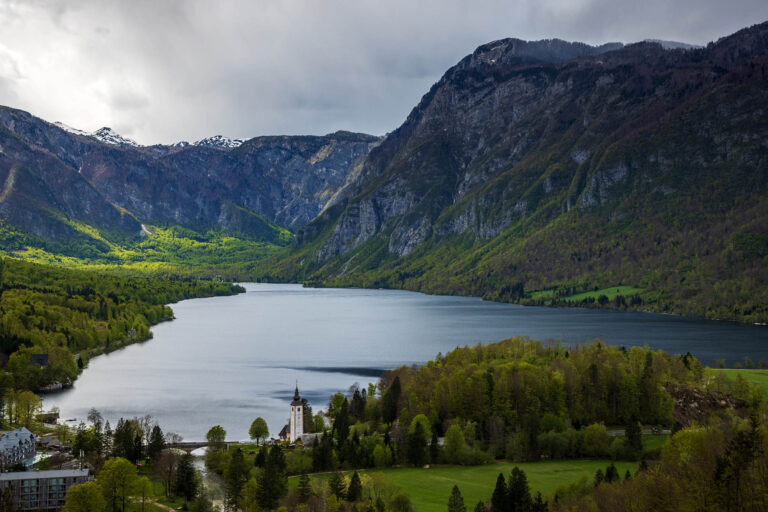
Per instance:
x=85, y=497
x=304, y=488
x=417, y=443
x=337, y=486
x=259, y=430
x=216, y=437
x=633, y=435
x=116, y=480
x=454, y=444
x=165, y=469
x=355, y=490
x=250, y=501
x=156, y=443
x=499, y=497
x=456, y=502
x=390, y=400
x=187, y=479
x=518, y=493
x=481, y=507
x=234, y=480
x=143, y=488
x=273, y=483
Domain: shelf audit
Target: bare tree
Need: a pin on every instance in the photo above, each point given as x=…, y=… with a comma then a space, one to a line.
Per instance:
x=165, y=468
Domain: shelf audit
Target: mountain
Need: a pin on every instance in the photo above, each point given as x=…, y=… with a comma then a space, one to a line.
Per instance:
x=217, y=141
x=60, y=184
x=542, y=172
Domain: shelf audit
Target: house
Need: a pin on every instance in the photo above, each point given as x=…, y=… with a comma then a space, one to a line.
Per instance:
x=16, y=446
x=41, y=490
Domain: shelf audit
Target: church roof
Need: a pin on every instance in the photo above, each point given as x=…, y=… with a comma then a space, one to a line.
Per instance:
x=296, y=397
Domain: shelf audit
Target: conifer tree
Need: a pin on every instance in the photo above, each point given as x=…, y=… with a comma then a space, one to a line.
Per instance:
x=518, y=494
x=156, y=443
x=456, y=502
x=304, y=488
x=499, y=497
x=355, y=490
x=337, y=486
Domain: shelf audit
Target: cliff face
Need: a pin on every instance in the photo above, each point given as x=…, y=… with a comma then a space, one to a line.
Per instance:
x=52, y=175
x=523, y=144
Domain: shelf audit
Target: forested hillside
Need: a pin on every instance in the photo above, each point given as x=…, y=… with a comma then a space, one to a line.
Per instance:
x=537, y=171
x=66, y=316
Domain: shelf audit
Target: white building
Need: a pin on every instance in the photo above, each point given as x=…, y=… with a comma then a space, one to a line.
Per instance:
x=297, y=418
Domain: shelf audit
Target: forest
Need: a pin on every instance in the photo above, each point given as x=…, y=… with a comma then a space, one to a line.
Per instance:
x=52, y=320
x=526, y=401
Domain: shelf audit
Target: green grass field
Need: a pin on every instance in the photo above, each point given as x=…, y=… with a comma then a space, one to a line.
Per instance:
x=429, y=488
x=611, y=293
x=759, y=377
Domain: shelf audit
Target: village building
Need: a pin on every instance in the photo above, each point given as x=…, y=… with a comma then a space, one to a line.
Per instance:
x=41, y=490
x=16, y=446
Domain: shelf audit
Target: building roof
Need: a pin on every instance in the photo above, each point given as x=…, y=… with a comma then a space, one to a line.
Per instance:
x=51, y=473
x=12, y=439
x=296, y=397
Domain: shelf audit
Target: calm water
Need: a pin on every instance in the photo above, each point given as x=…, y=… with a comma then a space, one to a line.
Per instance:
x=227, y=360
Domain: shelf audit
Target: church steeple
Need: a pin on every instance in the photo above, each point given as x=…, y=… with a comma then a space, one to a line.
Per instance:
x=297, y=416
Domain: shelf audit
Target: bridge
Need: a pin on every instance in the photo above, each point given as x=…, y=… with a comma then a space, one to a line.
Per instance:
x=189, y=446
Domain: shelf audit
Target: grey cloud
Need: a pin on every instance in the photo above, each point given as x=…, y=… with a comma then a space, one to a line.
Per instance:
x=186, y=70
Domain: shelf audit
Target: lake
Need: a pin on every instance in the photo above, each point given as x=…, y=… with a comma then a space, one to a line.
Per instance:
x=227, y=360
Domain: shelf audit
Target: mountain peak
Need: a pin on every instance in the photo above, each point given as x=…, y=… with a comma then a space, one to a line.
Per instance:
x=103, y=134
x=216, y=141
x=110, y=136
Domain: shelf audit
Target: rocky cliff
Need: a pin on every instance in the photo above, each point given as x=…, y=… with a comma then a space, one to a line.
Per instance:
x=543, y=164
x=54, y=175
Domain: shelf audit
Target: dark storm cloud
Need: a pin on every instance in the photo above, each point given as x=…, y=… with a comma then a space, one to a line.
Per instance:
x=167, y=70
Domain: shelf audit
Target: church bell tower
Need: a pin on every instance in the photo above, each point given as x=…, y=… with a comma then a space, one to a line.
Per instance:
x=297, y=417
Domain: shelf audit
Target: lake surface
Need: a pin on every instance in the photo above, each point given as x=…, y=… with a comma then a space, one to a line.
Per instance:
x=227, y=360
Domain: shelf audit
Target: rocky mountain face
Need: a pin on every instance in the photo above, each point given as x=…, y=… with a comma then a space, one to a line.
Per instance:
x=53, y=174
x=550, y=163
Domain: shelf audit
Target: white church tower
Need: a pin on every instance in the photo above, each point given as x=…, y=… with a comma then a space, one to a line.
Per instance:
x=297, y=417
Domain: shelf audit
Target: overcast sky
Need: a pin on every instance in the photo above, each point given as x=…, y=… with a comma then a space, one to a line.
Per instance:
x=170, y=70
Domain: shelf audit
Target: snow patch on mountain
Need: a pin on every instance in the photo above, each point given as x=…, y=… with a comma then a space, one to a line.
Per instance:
x=105, y=134
x=217, y=141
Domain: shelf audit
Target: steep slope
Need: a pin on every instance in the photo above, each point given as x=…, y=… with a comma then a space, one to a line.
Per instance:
x=62, y=183
x=561, y=167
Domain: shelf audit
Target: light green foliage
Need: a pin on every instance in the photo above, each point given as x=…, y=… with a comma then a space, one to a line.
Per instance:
x=259, y=430
x=85, y=497
x=597, y=441
x=60, y=312
x=167, y=252
x=425, y=425
x=216, y=437
x=454, y=444
x=116, y=480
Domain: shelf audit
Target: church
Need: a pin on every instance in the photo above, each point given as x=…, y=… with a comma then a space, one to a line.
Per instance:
x=294, y=430
x=295, y=427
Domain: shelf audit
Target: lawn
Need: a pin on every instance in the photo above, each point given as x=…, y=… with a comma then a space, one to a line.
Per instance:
x=759, y=377
x=429, y=488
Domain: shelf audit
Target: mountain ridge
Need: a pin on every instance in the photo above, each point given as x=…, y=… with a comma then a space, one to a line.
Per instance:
x=516, y=145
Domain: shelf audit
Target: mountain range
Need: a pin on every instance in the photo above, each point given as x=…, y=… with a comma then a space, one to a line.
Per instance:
x=542, y=172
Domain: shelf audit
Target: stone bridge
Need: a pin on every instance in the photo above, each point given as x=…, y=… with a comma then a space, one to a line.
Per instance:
x=189, y=446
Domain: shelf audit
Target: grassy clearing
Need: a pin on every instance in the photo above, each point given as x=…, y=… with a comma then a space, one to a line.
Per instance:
x=759, y=377
x=611, y=293
x=429, y=488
